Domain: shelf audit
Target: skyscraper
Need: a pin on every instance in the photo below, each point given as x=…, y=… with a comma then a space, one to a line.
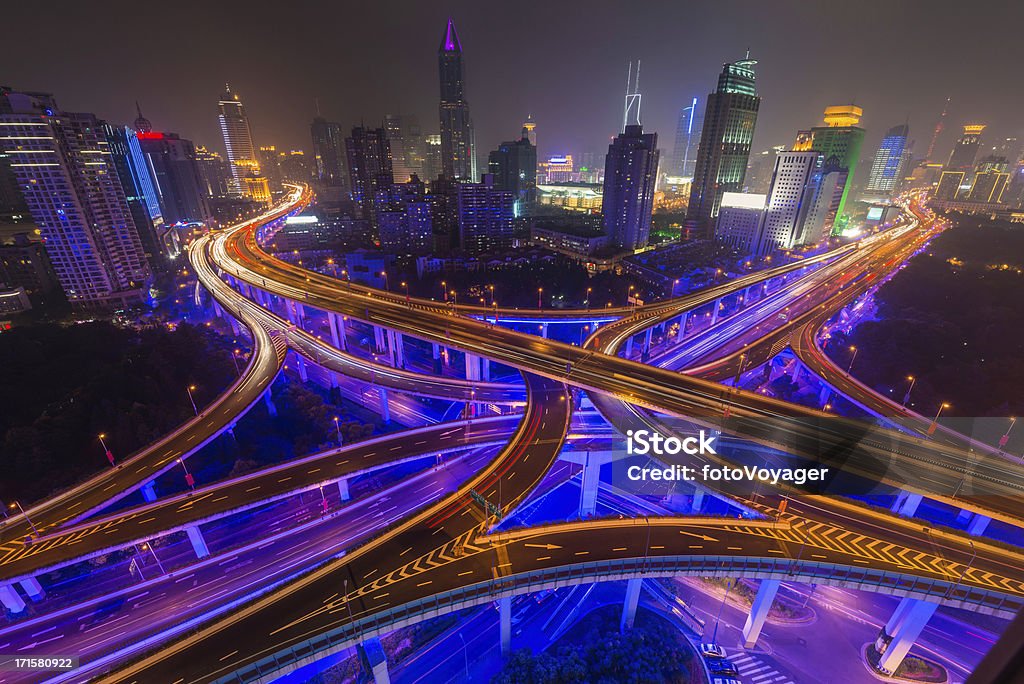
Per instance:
x=486, y=216
x=75, y=196
x=841, y=138
x=234, y=127
x=965, y=151
x=369, y=166
x=329, y=153
x=139, y=187
x=684, y=156
x=530, y=129
x=458, y=151
x=630, y=174
x=514, y=167
x=789, y=199
x=729, y=119
x=887, y=168
x=407, y=145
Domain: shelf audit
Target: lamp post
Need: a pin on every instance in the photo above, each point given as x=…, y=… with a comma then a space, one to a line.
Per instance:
x=852, y=359
x=540, y=291
x=189, y=389
x=465, y=654
x=935, y=420
x=906, y=397
x=189, y=480
x=589, y=290
x=384, y=274
x=17, y=505
x=444, y=290
x=406, y=286
x=337, y=428
x=455, y=297
x=109, y=454
x=234, y=359
x=1006, y=435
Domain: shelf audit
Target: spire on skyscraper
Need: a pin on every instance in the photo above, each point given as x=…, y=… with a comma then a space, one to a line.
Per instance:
x=141, y=124
x=450, y=42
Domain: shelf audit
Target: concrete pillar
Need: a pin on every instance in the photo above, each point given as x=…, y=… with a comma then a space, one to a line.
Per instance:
x=396, y=348
x=337, y=325
x=682, y=326
x=217, y=311
x=11, y=599
x=195, y=535
x=591, y=481
x=472, y=367
x=378, y=339
x=385, y=407
x=343, y=489
x=33, y=589
x=746, y=294
x=301, y=362
x=629, y=346
x=236, y=330
x=633, y=587
x=978, y=524
x=544, y=330
x=300, y=313
x=759, y=611
x=376, y=660
x=149, y=491
x=485, y=370
x=698, y=500
x=648, y=335
x=269, y=401
x=964, y=515
x=906, y=631
x=714, y=311
x=505, y=616
x=825, y=395
x=906, y=504
x=798, y=370
x=435, y=348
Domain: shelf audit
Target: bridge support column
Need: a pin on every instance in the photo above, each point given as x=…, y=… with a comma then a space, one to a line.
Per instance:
x=195, y=535
x=902, y=631
x=633, y=587
x=269, y=401
x=544, y=330
x=343, y=489
x=825, y=395
x=337, y=325
x=376, y=660
x=485, y=370
x=978, y=525
x=396, y=349
x=759, y=611
x=217, y=311
x=906, y=504
x=235, y=329
x=798, y=370
x=301, y=363
x=698, y=500
x=746, y=294
x=33, y=589
x=682, y=326
x=472, y=367
x=591, y=481
x=505, y=616
x=300, y=313
x=648, y=335
x=149, y=491
x=435, y=349
x=385, y=407
x=714, y=310
x=378, y=339
x=629, y=346
x=11, y=599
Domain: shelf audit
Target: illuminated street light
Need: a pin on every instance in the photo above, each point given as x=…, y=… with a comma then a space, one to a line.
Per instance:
x=337, y=428
x=17, y=505
x=189, y=389
x=109, y=454
x=906, y=397
x=540, y=291
x=852, y=359
x=935, y=420
x=189, y=480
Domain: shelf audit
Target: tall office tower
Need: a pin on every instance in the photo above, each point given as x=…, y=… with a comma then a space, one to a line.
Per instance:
x=140, y=192
x=329, y=153
x=406, y=226
x=630, y=174
x=486, y=216
x=789, y=199
x=1009, y=149
x=175, y=175
x=75, y=197
x=234, y=126
x=214, y=172
x=841, y=138
x=965, y=151
x=684, y=156
x=407, y=145
x=11, y=201
x=887, y=168
x=514, y=167
x=369, y=166
x=444, y=211
x=949, y=184
x=530, y=129
x=270, y=165
x=432, y=166
x=458, y=152
x=992, y=162
x=990, y=180
x=739, y=221
x=729, y=119
x=1013, y=196
x=827, y=192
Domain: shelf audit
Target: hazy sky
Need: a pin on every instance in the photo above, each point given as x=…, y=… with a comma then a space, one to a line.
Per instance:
x=562, y=61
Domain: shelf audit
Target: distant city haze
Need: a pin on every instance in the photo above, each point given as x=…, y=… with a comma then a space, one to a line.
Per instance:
x=563, y=64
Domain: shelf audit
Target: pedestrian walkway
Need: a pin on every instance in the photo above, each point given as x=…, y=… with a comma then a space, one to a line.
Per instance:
x=753, y=671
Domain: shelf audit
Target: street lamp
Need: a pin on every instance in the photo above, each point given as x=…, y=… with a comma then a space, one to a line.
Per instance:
x=589, y=290
x=406, y=286
x=234, y=359
x=465, y=654
x=490, y=288
x=189, y=480
x=337, y=428
x=906, y=397
x=384, y=274
x=455, y=297
x=852, y=359
x=935, y=420
x=189, y=389
x=17, y=505
x=108, y=452
x=444, y=290
x=540, y=291
x=1006, y=435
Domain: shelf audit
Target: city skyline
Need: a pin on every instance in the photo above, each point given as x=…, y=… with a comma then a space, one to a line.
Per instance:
x=282, y=93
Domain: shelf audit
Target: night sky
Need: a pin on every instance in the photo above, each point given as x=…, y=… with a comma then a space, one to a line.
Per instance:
x=564, y=62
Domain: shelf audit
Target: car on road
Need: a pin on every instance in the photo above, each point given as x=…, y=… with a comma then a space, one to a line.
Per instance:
x=721, y=667
x=712, y=651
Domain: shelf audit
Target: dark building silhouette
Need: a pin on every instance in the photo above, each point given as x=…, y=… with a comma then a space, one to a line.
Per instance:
x=630, y=174
x=329, y=153
x=514, y=167
x=458, y=153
